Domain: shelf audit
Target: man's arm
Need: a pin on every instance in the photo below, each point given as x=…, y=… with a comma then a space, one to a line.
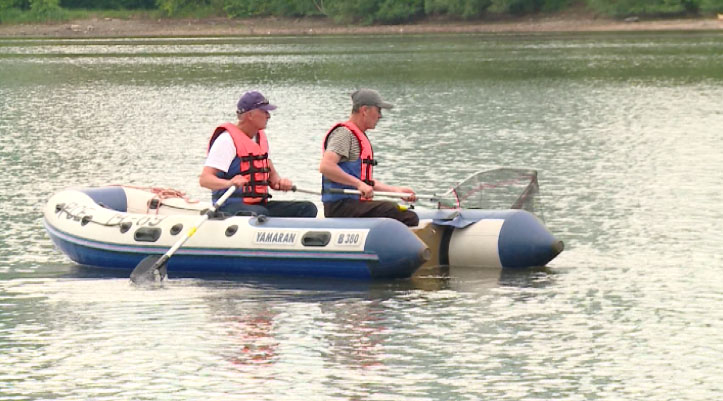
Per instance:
x=382, y=187
x=329, y=167
x=276, y=181
x=218, y=161
x=210, y=180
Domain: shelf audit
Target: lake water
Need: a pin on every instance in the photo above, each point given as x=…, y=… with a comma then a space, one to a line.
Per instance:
x=626, y=131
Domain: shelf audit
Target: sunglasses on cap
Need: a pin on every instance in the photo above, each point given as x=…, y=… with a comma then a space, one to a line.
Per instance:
x=256, y=105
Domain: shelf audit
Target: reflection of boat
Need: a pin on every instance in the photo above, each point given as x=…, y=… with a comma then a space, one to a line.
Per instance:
x=117, y=226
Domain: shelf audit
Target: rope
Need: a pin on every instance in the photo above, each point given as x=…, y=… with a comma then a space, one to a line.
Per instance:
x=161, y=194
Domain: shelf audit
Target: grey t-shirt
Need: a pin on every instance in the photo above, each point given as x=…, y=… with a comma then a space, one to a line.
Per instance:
x=343, y=142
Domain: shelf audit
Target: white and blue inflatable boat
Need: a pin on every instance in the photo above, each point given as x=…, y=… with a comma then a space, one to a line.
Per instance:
x=118, y=226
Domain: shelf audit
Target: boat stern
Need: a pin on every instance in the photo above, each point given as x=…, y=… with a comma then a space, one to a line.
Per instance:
x=400, y=253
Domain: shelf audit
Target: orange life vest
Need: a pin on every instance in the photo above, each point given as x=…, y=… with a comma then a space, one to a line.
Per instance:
x=361, y=168
x=251, y=161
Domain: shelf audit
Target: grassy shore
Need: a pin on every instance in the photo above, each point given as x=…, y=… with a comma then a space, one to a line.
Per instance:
x=147, y=27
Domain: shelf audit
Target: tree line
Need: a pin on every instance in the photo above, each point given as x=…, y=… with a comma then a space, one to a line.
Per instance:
x=366, y=11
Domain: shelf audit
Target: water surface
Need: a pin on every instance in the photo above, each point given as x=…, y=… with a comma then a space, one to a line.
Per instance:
x=624, y=129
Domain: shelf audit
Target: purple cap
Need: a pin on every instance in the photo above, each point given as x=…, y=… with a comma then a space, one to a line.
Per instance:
x=253, y=100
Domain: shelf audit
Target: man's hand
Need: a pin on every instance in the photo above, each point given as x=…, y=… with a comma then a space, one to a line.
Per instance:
x=282, y=184
x=238, y=181
x=367, y=192
x=410, y=191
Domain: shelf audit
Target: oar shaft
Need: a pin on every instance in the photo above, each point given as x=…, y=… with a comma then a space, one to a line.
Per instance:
x=305, y=191
x=356, y=192
x=223, y=198
x=148, y=269
x=183, y=240
x=380, y=193
x=193, y=230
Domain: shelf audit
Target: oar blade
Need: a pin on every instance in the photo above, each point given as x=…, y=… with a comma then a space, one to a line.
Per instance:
x=152, y=269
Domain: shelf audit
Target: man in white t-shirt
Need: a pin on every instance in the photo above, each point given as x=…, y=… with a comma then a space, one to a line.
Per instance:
x=238, y=156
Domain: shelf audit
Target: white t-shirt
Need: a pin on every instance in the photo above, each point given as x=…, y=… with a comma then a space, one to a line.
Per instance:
x=222, y=152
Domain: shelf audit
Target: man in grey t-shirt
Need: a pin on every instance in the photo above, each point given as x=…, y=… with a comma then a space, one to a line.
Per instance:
x=347, y=163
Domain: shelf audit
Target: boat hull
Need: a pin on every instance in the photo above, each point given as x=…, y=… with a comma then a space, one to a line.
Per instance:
x=117, y=227
x=501, y=239
x=91, y=234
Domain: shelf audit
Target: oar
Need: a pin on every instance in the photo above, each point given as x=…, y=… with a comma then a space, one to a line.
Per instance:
x=153, y=267
x=433, y=198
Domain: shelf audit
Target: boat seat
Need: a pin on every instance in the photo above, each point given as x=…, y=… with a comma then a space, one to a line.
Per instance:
x=138, y=200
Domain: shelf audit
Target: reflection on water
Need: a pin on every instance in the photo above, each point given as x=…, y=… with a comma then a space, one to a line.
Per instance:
x=624, y=130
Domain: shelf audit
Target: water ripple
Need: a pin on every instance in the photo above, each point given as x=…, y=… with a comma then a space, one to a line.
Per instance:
x=624, y=130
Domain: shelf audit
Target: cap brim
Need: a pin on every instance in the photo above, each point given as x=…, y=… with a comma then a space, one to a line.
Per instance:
x=267, y=107
x=385, y=105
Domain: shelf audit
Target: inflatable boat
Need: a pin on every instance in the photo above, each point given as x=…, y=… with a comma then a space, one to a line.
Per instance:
x=118, y=226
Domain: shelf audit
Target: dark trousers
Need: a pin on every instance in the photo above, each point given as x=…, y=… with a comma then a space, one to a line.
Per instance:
x=272, y=209
x=357, y=208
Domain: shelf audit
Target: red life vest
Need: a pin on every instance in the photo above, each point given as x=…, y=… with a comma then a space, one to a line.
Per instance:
x=361, y=168
x=251, y=161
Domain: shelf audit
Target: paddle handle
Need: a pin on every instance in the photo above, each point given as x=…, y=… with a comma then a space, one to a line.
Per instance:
x=223, y=198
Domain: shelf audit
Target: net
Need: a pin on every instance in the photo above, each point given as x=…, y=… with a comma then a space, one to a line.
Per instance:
x=499, y=188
